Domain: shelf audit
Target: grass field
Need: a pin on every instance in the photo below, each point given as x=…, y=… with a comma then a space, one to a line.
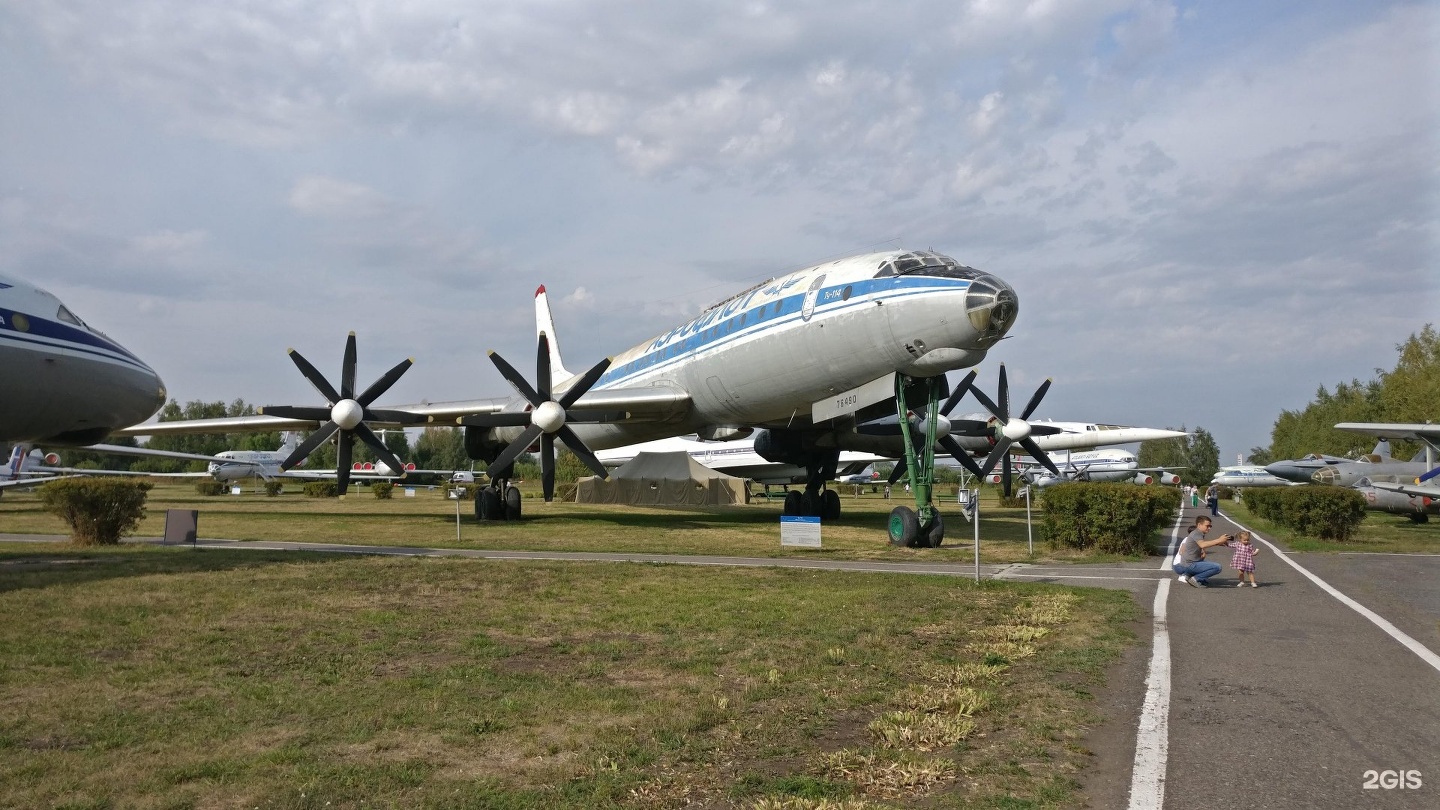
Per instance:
x=1379, y=532
x=428, y=519
x=142, y=676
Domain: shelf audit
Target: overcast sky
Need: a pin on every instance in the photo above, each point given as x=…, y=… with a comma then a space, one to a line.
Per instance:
x=1208, y=209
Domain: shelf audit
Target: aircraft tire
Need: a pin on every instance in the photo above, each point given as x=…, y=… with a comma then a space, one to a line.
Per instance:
x=829, y=505
x=810, y=504
x=904, y=527
x=1419, y=517
x=793, y=505
x=933, y=535
x=488, y=506
x=512, y=503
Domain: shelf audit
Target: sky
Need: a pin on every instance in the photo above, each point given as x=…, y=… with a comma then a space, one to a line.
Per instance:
x=1208, y=209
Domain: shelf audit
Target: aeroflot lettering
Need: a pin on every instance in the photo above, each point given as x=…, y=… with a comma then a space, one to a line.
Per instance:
x=717, y=314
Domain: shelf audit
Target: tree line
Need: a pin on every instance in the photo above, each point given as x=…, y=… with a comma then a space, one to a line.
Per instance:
x=1409, y=392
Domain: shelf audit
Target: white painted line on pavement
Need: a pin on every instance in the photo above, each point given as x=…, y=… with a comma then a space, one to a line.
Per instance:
x=1152, y=741
x=1379, y=621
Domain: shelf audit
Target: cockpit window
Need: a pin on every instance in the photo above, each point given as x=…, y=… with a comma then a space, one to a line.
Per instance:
x=926, y=263
x=69, y=317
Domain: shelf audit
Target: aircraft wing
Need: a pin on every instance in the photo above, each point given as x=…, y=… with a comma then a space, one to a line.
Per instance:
x=1408, y=431
x=122, y=450
x=649, y=402
x=1418, y=490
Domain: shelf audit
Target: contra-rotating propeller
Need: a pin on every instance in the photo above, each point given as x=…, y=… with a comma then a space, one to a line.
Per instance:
x=346, y=413
x=946, y=441
x=547, y=417
x=1017, y=430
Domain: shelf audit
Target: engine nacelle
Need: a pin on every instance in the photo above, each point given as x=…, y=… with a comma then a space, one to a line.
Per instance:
x=1168, y=479
x=1143, y=479
x=481, y=444
x=410, y=467
x=723, y=433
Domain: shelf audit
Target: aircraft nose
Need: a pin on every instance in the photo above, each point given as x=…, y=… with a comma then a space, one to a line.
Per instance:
x=991, y=306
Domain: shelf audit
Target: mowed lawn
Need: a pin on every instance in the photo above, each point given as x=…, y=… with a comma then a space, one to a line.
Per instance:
x=428, y=519
x=141, y=676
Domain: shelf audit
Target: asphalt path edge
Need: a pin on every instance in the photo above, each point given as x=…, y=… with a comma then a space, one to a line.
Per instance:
x=1379, y=621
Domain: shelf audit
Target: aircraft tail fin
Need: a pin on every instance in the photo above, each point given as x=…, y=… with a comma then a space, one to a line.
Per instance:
x=1382, y=449
x=289, y=440
x=16, y=463
x=545, y=325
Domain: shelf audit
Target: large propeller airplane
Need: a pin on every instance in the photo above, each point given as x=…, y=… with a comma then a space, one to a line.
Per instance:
x=812, y=363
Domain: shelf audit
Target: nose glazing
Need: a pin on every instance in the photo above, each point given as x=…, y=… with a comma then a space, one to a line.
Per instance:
x=991, y=306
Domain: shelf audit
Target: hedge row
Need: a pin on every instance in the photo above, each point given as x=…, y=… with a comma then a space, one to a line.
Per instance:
x=1112, y=518
x=1314, y=510
x=97, y=510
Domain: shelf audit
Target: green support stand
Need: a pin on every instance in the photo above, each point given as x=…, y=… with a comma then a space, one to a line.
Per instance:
x=922, y=526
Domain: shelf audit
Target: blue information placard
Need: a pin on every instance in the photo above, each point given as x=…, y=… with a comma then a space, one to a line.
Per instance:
x=798, y=530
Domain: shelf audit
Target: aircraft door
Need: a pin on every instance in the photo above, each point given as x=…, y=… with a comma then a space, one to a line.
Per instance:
x=812, y=295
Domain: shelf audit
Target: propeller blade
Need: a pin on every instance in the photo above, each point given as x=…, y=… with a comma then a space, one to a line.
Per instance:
x=342, y=461
x=543, y=383
x=495, y=420
x=547, y=463
x=581, y=451
x=516, y=381
x=888, y=426
x=295, y=412
x=382, y=452
x=898, y=471
x=513, y=450
x=1005, y=486
x=380, y=386
x=1001, y=448
x=574, y=392
x=1039, y=455
x=347, y=369
x=398, y=417
x=589, y=415
x=315, y=377
x=989, y=405
x=958, y=453
x=969, y=427
x=308, y=446
x=1004, y=391
x=958, y=393
x=1035, y=400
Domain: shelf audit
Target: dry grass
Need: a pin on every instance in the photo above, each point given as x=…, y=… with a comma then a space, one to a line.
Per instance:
x=151, y=677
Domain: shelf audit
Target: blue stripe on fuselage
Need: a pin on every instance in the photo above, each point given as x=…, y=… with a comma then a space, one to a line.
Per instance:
x=73, y=338
x=711, y=330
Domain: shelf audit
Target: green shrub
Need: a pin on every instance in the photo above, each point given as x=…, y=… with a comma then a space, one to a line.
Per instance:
x=382, y=489
x=273, y=488
x=1313, y=510
x=323, y=488
x=1111, y=518
x=97, y=510
x=209, y=488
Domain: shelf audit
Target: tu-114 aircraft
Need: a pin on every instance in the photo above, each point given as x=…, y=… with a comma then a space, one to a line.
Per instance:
x=804, y=362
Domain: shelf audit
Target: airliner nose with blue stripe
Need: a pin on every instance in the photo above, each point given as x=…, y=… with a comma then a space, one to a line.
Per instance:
x=62, y=381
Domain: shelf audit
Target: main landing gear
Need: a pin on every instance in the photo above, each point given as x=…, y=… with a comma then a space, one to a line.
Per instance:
x=497, y=500
x=816, y=500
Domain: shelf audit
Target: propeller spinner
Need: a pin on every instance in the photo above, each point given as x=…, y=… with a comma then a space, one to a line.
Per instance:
x=344, y=413
x=1017, y=430
x=547, y=418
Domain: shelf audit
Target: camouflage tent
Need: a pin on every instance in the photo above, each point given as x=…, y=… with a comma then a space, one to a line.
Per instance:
x=663, y=479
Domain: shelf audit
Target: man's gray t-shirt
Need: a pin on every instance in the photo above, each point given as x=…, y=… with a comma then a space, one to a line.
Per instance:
x=1190, y=551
